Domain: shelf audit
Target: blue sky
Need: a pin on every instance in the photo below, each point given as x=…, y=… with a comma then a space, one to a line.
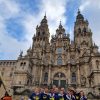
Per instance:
x=19, y=18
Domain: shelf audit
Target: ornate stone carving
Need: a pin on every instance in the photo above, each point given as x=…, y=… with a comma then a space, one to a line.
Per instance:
x=73, y=68
x=83, y=80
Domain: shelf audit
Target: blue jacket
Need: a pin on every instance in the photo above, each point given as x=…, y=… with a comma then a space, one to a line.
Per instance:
x=56, y=96
x=45, y=96
x=83, y=98
x=35, y=96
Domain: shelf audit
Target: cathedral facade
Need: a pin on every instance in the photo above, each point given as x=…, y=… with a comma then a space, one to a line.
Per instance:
x=59, y=62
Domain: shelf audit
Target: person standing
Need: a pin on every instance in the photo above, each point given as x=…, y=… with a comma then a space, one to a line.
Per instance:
x=56, y=93
x=82, y=96
x=61, y=95
x=70, y=95
x=45, y=95
x=77, y=95
x=52, y=94
x=35, y=95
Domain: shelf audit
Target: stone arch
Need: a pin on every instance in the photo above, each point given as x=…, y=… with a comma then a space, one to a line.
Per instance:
x=59, y=70
x=84, y=30
x=84, y=43
x=59, y=78
x=79, y=30
x=62, y=75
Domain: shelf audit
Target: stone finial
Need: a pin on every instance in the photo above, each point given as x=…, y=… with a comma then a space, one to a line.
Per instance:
x=78, y=11
x=21, y=54
x=60, y=25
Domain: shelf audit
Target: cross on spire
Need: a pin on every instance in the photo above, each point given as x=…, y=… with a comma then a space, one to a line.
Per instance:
x=78, y=11
x=60, y=25
x=45, y=15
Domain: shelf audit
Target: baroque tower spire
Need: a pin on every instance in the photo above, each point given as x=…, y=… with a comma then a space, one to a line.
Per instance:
x=41, y=39
x=42, y=30
x=82, y=33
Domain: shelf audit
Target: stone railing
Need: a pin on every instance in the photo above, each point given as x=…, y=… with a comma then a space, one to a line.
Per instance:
x=91, y=96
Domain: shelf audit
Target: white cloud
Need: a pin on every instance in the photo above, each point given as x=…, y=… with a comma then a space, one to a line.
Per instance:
x=9, y=46
x=9, y=8
x=55, y=12
x=84, y=5
x=92, y=4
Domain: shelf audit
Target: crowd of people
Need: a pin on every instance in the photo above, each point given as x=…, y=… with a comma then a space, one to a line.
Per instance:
x=57, y=94
x=54, y=93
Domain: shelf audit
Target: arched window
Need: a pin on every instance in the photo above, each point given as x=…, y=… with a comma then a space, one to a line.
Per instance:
x=21, y=64
x=24, y=63
x=84, y=43
x=84, y=30
x=79, y=30
x=73, y=77
x=59, y=60
x=59, y=50
x=59, y=74
x=97, y=64
x=59, y=79
x=38, y=33
x=43, y=33
x=46, y=77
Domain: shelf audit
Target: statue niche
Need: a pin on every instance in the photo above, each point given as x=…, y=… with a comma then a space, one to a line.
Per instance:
x=83, y=80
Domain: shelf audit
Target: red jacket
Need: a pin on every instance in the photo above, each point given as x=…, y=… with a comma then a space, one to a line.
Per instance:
x=7, y=98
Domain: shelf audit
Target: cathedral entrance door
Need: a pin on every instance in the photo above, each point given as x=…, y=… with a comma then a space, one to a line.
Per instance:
x=59, y=80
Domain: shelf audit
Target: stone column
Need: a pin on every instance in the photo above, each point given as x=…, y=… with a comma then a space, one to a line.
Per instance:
x=34, y=73
x=78, y=75
x=41, y=74
x=69, y=75
x=49, y=75
x=86, y=74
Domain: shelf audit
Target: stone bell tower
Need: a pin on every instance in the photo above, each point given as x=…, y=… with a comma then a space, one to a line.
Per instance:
x=40, y=51
x=41, y=38
x=82, y=32
x=42, y=33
